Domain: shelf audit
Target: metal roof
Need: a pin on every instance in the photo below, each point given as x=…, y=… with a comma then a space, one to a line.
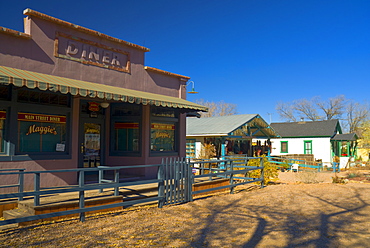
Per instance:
x=226, y=125
x=64, y=85
x=307, y=128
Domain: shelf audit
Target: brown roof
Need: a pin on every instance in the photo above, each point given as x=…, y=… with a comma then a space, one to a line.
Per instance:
x=148, y=68
x=326, y=128
x=31, y=12
x=14, y=33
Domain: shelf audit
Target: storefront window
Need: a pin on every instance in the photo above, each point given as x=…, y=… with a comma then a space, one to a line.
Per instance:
x=4, y=92
x=163, y=137
x=125, y=129
x=126, y=136
x=2, y=129
x=126, y=110
x=164, y=112
x=46, y=98
x=163, y=129
x=41, y=133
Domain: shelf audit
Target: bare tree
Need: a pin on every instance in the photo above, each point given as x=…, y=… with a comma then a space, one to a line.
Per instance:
x=220, y=108
x=333, y=108
x=286, y=111
x=307, y=109
x=357, y=114
x=354, y=114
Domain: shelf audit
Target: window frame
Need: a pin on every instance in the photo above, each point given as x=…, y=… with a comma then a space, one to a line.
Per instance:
x=13, y=107
x=304, y=147
x=17, y=150
x=286, y=147
x=165, y=120
x=4, y=132
x=125, y=119
x=190, y=148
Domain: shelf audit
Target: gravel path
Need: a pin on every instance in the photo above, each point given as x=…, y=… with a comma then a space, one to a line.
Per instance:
x=281, y=215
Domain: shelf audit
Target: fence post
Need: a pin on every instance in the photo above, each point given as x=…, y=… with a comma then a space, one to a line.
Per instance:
x=36, y=199
x=100, y=178
x=116, y=180
x=160, y=177
x=231, y=177
x=189, y=181
x=21, y=184
x=262, y=172
x=81, y=183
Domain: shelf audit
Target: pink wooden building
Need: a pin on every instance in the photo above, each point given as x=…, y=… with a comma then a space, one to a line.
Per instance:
x=72, y=97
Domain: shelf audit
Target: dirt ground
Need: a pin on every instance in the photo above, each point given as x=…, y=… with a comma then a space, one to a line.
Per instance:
x=286, y=214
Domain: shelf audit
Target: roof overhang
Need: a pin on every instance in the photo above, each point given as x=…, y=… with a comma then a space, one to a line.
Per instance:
x=75, y=87
x=30, y=12
x=255, y=128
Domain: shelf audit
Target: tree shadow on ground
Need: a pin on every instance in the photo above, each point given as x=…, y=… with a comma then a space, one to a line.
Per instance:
x=260, y=218
x=321, y=227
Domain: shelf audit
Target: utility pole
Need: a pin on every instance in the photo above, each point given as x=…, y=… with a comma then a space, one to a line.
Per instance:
x=270, y=116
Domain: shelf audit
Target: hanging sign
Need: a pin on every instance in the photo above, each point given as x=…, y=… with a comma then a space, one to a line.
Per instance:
x=94, y=106
x=2, y=115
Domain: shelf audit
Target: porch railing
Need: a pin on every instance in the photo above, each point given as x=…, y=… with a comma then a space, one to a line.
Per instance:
x=175, y=181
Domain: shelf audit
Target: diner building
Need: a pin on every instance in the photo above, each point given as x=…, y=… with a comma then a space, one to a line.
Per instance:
x=72, y=97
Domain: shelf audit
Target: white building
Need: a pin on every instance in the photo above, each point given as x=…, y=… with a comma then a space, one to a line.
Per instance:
x=323, y=139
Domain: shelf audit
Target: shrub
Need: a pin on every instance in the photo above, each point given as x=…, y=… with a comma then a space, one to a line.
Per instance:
x=284, y=166
x=337, y=179
x=208, y=151
x=307, y=177
x=270, y=170
x=354, y=174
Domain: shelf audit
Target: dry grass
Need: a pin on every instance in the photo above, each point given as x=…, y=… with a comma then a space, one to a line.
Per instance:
x=283, y=215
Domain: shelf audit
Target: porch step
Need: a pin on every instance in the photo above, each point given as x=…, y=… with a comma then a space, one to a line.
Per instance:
x=13, y=214
x=16, y=213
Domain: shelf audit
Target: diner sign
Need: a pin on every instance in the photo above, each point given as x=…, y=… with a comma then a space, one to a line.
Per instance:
x=41, y=118
x=91, y=53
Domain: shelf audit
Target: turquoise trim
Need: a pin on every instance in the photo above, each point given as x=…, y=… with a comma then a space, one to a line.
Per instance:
x=288, y=137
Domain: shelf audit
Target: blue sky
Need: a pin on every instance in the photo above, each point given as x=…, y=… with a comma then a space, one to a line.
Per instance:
x=252, y=53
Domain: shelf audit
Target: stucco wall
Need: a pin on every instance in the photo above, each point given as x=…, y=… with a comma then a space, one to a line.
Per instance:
x=37, y=54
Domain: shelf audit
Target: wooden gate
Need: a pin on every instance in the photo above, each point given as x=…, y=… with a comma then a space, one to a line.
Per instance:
x=176, y=186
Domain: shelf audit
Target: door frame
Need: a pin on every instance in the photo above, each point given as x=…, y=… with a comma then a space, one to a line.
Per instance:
x=100, y=120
